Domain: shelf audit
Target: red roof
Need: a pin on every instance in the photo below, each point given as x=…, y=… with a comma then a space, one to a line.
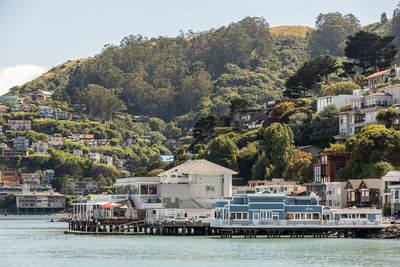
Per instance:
x=376, y=74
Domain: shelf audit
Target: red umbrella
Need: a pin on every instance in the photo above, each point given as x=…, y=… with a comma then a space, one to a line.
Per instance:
x=109, y=206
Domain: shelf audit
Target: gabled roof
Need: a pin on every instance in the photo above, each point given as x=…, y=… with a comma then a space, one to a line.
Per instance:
x=200, y=166
x=376, y=74
x=369, y=183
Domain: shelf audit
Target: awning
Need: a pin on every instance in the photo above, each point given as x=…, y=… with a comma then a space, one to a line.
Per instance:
x=110, y=206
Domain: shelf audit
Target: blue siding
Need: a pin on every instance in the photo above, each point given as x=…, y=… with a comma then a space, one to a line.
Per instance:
x=266, y=206
x=300, y=208
x=238, y=200
x=221, y=204
x=239, y=208
x=371, y=217
x=266, y=199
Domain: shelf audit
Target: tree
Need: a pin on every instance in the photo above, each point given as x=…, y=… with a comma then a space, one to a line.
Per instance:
x=300, y=123
x=384, y=18
x=278, y=144
x=388, y=115
x=308, y=75
x=396, y=25
x=246, y=158
x=369, y=52
x=299, y=168
x=332, y=31
x=157, y=125
x=222, y=151
x=258, y=170
x=325, y=125
x=203, y=129
x=339, y=88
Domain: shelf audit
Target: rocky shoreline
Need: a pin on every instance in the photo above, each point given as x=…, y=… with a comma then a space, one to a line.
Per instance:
x=391, y=232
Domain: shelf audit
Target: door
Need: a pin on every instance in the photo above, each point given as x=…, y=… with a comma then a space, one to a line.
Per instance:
x=256, y=217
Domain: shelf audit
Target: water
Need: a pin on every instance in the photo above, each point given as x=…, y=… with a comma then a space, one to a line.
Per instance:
x=34, y=241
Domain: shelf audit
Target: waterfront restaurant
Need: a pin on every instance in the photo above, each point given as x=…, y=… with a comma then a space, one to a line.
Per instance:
x=250, y=208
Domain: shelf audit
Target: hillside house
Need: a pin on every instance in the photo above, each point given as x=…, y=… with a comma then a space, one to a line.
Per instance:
x=46, y=112
x=81, y=188
x=91, y=143
x=40, y=95
x=329, y=162
x=108, y=160
x=80, y=137
x=77, y=152
x=19, y=125
x=271, y=116
x=3, y=109
x=14, y=100
x=61, y=115
x=339, y=100
x=78, y=107
x=9, y=177
x=391, y=191
x=40, y=147
x=137, y=118
x=363, y=192
x=48, y=176
x=103, y=142
x=383, y=76
x=30, y=178
x=121, y=164
x=13, y=153
x=242, y=119
x=21, y=143
x=95, y=157
x=56, y=141
x=21, y=108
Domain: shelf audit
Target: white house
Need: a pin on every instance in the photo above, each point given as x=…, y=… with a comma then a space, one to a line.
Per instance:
x=95, y=157
x=40, y=147
x=78, y=152
x=391, y=191
x=108, y=160
x=338, y=100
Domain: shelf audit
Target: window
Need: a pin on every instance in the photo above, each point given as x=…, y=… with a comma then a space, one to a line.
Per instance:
x=303, y=216
x=309, y=216
x=245, y=216
x=315, y=216
x=297, y=216
x=363, y=216
x=344, y=216
x=239, y=216
x=290, y=216
x=396, y=194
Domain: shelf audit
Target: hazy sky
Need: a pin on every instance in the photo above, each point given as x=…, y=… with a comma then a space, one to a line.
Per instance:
x=38, y=34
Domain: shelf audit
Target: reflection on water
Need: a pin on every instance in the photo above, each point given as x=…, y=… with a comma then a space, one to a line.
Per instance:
x=34, y=241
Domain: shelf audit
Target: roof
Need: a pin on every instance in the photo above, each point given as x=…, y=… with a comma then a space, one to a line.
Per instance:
x=393, y=173
x=376, y=74
x=301, y=191
x=370, y=183
x=200, y=166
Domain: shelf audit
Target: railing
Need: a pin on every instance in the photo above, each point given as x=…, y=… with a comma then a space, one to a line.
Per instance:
x=299, y=223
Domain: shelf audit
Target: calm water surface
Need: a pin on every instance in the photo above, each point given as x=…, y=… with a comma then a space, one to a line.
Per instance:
x=34, y=241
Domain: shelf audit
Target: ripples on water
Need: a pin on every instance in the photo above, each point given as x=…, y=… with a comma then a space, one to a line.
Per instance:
x=34, y=241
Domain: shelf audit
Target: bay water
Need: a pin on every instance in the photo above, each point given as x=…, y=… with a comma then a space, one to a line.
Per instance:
x=35, y=241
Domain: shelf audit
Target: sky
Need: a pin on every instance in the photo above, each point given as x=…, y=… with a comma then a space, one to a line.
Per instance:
x=39, y=34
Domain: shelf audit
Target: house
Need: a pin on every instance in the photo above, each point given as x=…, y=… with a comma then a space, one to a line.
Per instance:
x=3, y=109
x=78, y=152
x=12, y=99
x=336, y=195
x=76, y=117
x=46, y=112
x=81, y=137
x=121, y=164
x=61, y=115
x=21, y=108
x=9, y=177
x=19, y=125
x=271, y=116
x=81, y=188
x=30, y=178
x=48, y=176
x=103, y=142
x=249, y=208
x=243, y=118
x=137, y=118
x=55, y=141
x=276, y=185
x=95, y=157
x=329, y=162
x=339, y=101
x=167, y=158
x=13, y=153
x=78, y=107
x=363, y=112
x=108, y=160
x=21, y=143
x=391, y=191
x=195, y=184
x=39, y=201
x=40, y=95
x=363, y=192
x=383, y=76
x=40, y=147
x=318, y=189
x=127, y=142
x=16, y=189
x=91, y=143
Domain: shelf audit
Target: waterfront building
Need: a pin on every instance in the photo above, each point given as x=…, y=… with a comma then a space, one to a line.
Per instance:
x=363, y=192
x=391, y=191
x=30, y=178
x=15, y=189
x=336, y=195
x=278, y=186
x=248, y=207
x=196, y=184
x=29, y=201
x=319, y=189
x=329, y=162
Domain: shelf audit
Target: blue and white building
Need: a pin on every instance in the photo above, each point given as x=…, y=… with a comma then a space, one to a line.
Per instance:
x=247, y=207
